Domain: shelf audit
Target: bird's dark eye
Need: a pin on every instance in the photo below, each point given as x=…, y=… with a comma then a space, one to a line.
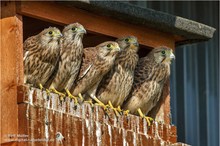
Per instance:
x=50, y=32
x=126, y=40
x=109, y=45
x=74, y=29
x=163, y=52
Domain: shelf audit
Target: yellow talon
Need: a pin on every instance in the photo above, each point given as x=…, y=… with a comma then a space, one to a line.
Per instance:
x=119, y=109
x=100, y=103
x=122, y=111
x=71, y=96
x=57, y=92
x=115, y=109
x=126, y=112
x=41, y=86
x=61, y=95
x=80, y=96
x=48, y=92
x=148, y=119
x=89, y=101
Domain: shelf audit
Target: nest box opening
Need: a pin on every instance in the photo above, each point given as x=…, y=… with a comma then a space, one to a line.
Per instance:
x=32, y=26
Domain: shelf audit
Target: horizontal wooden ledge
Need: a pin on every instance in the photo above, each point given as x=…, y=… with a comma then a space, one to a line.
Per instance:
x=37, y=103
x=59, y=14
x=78, y=130
x=12, y=143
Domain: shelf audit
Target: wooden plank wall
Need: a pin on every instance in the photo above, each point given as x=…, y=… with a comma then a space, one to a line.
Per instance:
x=11, y=69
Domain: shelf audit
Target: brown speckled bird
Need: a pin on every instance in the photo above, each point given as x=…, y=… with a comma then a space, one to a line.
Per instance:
x=41, y=54
x=151, y=73
x=70, y=57
x=97, y=62
x=117, y=84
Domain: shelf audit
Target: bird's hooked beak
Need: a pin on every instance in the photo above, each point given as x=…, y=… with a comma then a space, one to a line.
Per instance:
x=134, y=43
x=116, y=47
x=82, y=30
x=61, y=35
x=172, y=56
x=58, y=34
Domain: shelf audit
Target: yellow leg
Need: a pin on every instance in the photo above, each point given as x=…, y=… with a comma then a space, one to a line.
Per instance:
x=114, y=109
x=119, y=109
x=148, y=119
x=41, y=87
x=100, y=103
x=122, y=111
x=57, y=92
x=71, y=96
x=80, y=96
x=62, y=95
x=90, y=102
x=126, y=112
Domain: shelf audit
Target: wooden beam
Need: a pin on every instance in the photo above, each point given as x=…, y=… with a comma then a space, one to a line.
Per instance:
x=11, y=70
x=56, y=13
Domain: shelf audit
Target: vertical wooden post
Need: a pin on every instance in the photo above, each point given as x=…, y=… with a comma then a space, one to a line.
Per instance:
x=11, y=70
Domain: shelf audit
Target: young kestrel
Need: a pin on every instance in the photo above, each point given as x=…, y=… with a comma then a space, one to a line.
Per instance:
x=116, y=85
x=151, y=73
x=70, y=57
x=41, y=53
x=96, y=63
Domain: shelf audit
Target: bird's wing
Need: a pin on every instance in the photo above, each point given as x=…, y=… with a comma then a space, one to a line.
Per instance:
x=30, y=47
x=141, y=75
x=89, y=55
x=30, y=44
x=85, y=72
x=25, y=55
x=53, y=75
x=144, y=97
x=42, y=72
x=142, y=72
